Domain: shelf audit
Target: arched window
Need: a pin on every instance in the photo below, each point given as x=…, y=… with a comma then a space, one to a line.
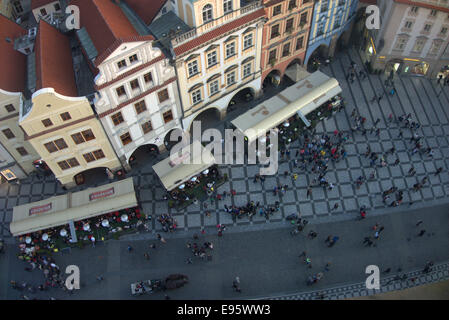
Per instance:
x=207, y=13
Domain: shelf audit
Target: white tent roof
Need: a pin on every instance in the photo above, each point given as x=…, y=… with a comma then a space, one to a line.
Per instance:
x=305, y=96
x=185, y=164
x=57, y=211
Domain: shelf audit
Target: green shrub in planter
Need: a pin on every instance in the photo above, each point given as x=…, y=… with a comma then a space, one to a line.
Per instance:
x=225, y=176
x=170, y=203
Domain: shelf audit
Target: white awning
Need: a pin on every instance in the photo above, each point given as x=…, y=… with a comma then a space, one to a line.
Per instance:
x=60, y=210
x=296, y=73
x=185, y=164
x=305, y=96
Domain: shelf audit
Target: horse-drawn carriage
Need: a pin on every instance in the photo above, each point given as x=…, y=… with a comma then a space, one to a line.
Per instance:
x=173, y=281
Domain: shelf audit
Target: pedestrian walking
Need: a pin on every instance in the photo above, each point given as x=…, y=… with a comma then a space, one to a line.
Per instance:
x=419, y=222
x=335, y=206
x=327, y=266
x=328, y=239
x=130, y=248
x=309, y=192
x=236, y=285
x=397, y=161
x=400, y=134
x=438, y=171
x=390, y=117
x=421, y=233
x=146, y=256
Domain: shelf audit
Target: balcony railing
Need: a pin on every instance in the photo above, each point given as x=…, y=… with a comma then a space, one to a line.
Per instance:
x=216, y=23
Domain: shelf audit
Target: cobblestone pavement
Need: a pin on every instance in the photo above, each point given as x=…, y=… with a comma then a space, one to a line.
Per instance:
x=414, y=94
x=440, y=272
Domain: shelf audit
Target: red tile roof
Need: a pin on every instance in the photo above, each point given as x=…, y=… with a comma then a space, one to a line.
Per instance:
x=424, y=5
x=107, y=26
x=12, y=63
x=145, y=11
x=54, y=64
x=206, y=37
x=40, y=3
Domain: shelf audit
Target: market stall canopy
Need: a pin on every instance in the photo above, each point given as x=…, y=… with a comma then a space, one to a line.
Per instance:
x=188, y=162
x=60, y=210
x=296, y=72
x=302, y=97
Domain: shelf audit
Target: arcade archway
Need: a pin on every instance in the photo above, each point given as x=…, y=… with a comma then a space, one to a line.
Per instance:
x=143, y=154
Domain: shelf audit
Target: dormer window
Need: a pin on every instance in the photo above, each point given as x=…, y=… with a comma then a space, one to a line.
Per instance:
x=207, y=13
x=227, y=6
x=133, y=58
x=121, y=64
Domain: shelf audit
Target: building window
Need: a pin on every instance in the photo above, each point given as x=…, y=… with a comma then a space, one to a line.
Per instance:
x=277, y=10
x=436, y=47
x=10, y=108
x=18, y=7
x=67, y=164
x=433, y=13
x=133, y=58
x=140, y=107
x=117, y=118
x=121, y=64
x=77, y=138
x=8, y=133
x=443, y=31
x=89, y=157
x=163, y=95
x=408, y=24
x=196, y=96
x=192, y=68
x=400, y=44
x=419, y=45
x=82, y=137
x=414, y=9
x=212, y=59
x=247, y=41
x=99, y=154
x=207, y=13
x=230, y=78
x=289, y=25
x=121, y=91
x=213, y=87
x=427, y=27
x=227, y=6
x=230, y=50
x=274, y=31
x=57, y=7
x=43, y=12
x=134, y=84
x=64, y=165
x=299, y=43
x=47, y=123
x=65, y=116
x=60, y=144
x=272, y=57
x=22, y=151
x=247, y=70
x=148, y=77
x=303, y=20
x=286, y=50
x=126, y=138
x=324, y=6
x=56, y=145
x=291, y=4
x=168, y=116
x=147, y=127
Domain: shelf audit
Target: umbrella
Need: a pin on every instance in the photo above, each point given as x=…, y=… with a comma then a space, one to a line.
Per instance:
x=63, y=233
x=193, y=179
x=28, y=240
x=45, y=237
x=206, y=171
x=86, y=227
x=286, y=124
x=124, y=217
x=105, y=223
x=263, y=139
x=182, y=186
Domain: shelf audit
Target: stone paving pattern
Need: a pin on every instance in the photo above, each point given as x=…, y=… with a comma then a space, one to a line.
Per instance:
x=414, y=94
x=440, y=272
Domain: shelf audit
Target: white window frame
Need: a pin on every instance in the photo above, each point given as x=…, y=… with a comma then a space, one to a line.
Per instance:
x=196, y=96
x=227, y=6
x=192, y=68
x=247, y=69
x=207, y=13
x=228, y=49
x=212, y=59
x=214, y=85
x=247, y=41
x=230, y=75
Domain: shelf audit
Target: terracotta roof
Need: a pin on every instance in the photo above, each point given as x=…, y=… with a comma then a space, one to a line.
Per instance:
x=40, y=3
x=54, y=64
x=107, y=26
x=424, y=5
x=144, y=11
x=12, y=63
x=195, y=43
